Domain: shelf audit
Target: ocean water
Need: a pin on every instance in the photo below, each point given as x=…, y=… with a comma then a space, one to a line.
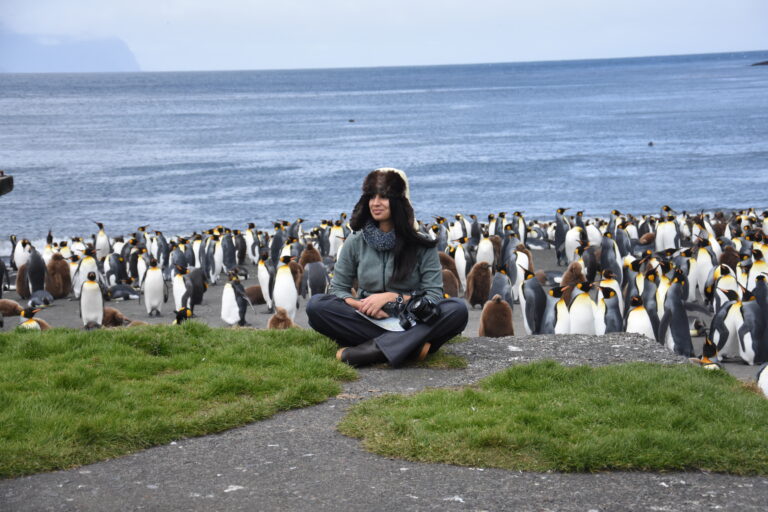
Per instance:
x=186, y=151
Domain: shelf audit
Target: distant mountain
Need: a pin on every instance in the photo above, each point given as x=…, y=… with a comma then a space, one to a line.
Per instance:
x=21, y=53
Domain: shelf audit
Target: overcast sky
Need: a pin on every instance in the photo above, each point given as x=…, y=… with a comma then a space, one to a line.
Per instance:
x=259, y=34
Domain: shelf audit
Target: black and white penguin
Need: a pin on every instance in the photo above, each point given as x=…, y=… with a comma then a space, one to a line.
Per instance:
x=533, y=301
x=103, y=245
x=91, y=300
x=154, y=288
x=314, y=279
x=234, y=301
x=582, y=310
x=27, y=320
x=608, y=316
x=284, y=292
x=674, y=330
x=637, y=320
x=753, y=333
x=36, y=271
x=501, y=285
x=265, y=274
x=725, y=325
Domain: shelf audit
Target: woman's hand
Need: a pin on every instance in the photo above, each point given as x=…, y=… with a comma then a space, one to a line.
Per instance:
x=372, y=304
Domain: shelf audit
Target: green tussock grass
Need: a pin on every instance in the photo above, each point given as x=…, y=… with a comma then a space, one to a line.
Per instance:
x=544, y=416
x=69, y=397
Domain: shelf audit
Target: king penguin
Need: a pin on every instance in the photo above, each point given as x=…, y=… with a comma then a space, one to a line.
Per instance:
x=155, y=289
x=27, y=320
x=674, y=331
x=753, y=339
x=91, y=301
x=284, y=293
x=234, y=302
x=637, y=319
x=533, y=301
x=266, y=277
x=582, y=310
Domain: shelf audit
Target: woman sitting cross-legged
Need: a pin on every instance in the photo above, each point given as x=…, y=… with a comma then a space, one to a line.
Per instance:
x=392, y=262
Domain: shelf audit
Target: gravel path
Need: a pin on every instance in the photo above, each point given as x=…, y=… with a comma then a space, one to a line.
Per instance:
x=298, y=461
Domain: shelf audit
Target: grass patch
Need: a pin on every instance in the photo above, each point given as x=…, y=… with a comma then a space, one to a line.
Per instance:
x=543, y=416
x=457, y=339
x=70, y=397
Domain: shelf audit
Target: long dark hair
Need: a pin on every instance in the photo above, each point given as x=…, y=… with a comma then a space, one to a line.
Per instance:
x=407, y=239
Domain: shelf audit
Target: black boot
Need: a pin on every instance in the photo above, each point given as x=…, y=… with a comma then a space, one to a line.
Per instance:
x=362, y=355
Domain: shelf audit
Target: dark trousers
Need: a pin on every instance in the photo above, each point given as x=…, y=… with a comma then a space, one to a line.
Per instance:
x=331, y=316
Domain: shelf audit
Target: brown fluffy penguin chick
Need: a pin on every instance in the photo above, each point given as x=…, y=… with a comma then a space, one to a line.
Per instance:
x=524, y=250
x=297, y=271
x=255, y=294
x=730, y=257
x=22, y=286
x=309, y=255
x=496, y=319
x=448, y=263
x=58, y=281
x=114, y=318
x=280, y=320
x=573, y=275
x=450, y=284
x=478, y=284
x=10, y=307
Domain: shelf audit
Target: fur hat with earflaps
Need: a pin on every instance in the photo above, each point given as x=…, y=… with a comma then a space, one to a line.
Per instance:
x=388, y=182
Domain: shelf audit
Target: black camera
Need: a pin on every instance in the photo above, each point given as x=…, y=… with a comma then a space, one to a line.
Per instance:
x=420, y=309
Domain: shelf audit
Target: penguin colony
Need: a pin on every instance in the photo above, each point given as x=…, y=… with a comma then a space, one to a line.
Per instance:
x=666, y=276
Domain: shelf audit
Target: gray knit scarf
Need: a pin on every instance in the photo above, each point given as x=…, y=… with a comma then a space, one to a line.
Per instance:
x=378, y=239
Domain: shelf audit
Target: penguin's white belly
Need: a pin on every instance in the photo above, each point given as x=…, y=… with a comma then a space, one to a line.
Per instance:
x=263, y=277
x=30, y=324
x=733, y=320
x=229, y=309
x=154, y=291
x=582, y=315
x=91, y=304
x=563, y=322
x=285, y=294
x=639, y=322
x=179, y=288
x=485, y=252
x=461, y=267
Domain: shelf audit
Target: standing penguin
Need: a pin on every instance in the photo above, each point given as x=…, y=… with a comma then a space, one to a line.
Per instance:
x=234, y=302
x=314, y=279
x=501, y=285
x=91, y=301
x=103, y=246
x=674, y=330
x=725, y=325
x=154, y=288
x=561, y=228
x=266, y=277
x=533, y=301
x=496, y=319
x=36, y=271
x=753, y=333
x=284, y=293
x=478, y=284
x=637, y=320
x=608, y=317
x=582, y=310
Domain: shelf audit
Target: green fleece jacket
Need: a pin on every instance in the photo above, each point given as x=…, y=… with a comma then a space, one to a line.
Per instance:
x=373, y=270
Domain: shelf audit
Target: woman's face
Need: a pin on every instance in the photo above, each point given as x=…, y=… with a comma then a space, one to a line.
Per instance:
x=379, y=206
